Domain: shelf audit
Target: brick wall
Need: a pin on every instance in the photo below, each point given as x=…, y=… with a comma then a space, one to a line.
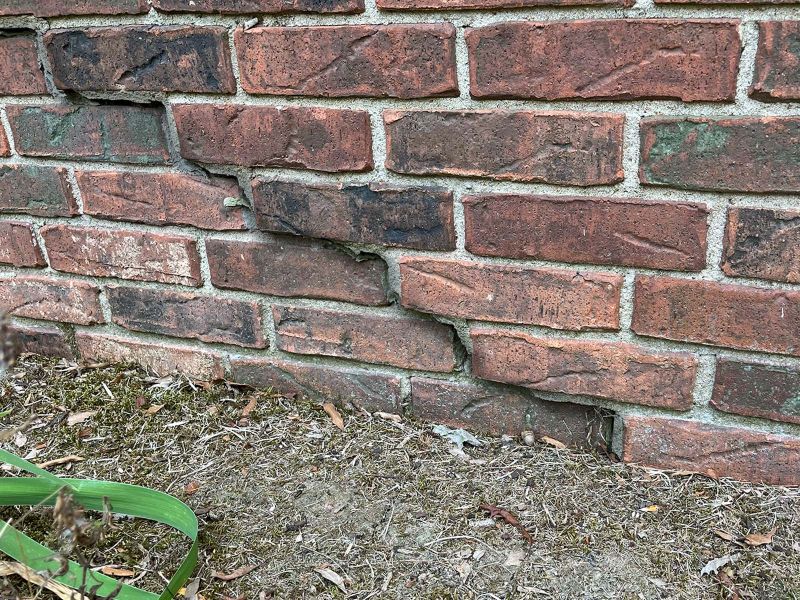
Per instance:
x=506, y=214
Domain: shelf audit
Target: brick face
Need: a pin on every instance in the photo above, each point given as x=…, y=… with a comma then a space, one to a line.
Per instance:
x=62, y=8
x=35, y=190
x=777, y=75
x=19, y=64
x=755, y=390
x=18, y=246
x=44, y=340
x=50, y=299
x=485, y=4
x=260, y=6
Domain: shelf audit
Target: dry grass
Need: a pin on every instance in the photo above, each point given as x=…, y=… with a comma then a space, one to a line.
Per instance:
x=386, y=505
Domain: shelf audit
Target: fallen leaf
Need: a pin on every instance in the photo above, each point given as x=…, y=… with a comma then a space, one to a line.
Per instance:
x=80, y=417
x=116, y=572
x=552, y=442
x=191, y=589
x=240, y=572
x=334, y=414
x=715, y=565
x=154, y=409
x=515, y=558
x=652, y=508
x=192, y=488
x=333, y=577
x=724, y=535
x=508, y=517
x=760, y=539
x=388, y=416
x=250, y=407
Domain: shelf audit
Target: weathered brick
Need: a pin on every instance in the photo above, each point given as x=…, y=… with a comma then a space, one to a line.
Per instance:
x=141, y=58
x=777, y=74
x=158, y=357
x=629, y=59
x=395, y=61
x=63, y=8
x=756, y=390
x=613, y=370
x=50, y=299
x=705, y=312
x=42, y=340
x=34, y=190
x=471, y=290
x=419, y=218
x=292, y=267
x=499, y=410
x=19, y=64
x=260, y=6
x=746, y=154
x=579, y=229
x=320, y=139
x=400, y=341
x=763, y=243
x=136, y=255
x=5, y=147
x=109, y=132
x=368, y=389
x=18, y=245
x=487, y=4
x=561, y=148
x=162, y=198
x=712, y=450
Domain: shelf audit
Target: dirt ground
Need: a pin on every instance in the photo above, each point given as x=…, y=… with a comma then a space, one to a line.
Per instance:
x=388, y=506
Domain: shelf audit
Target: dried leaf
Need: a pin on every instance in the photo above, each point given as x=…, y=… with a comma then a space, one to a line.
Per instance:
x=334, y=414
x=192, y=488
x=333, y=577
x=388, y=416
x=552, y=442
x=240, y=572
x=116, y=572
x=60, y=461
x=508, y=517
x=760, y=539
x=715, y=565
x=652, y=508
x=80, y=417
x=154, y=409
x=250, y=407
x=728, y=537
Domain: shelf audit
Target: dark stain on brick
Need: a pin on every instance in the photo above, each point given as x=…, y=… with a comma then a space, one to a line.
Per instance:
x=756, y=390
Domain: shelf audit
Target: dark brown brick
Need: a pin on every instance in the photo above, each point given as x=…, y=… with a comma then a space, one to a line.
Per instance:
x=141, y=58
x=400, y=341
x=136, y=255
x=777, y=74
x=43, y=340
x=236, y=7
x=187, y=315
x=756, y=390
x=162, y=198
x=487, y=4
x=712, y=450
x=509, y=294
x=18, y=246
x=111, y=132
x=394, y=61
x=613, y=370
x=291, y=267
x=745, y=154
x=63, y=8
x=578, y=229
x=19, y=64
x=368, y=389
x=419, y=218
x=561, y=148
x=763, y=243
x=50, y=299
x=320, y=139
x=34, y=190
x=616, y=59
x=499, y=410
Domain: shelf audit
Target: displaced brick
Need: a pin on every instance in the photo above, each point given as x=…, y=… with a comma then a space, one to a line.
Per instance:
x=763, y=243
x=187, y=315
x=400, y=341
x=487, y=4
x=777, y=74
x=19, y=64
x=578, y=229
x=705, y=312
x=108, y=132
x=63, y=8
x=471, y=290
x=712, y=450
x=35, y=190
x=141, y=58
x=162, y=198
x=630, y=59
x=18, y=246
x=502, y=410
x=320, y=139
x=50, y=299
x=367, y=389
x=613, y=370
x=158, y=357
x=746, y=154
x=136, y=255
x=236, y=7
x=394, y=61
x=419, y=218
x=756, y=390
x=42, y=340
x=291, y=267
x=560, y=148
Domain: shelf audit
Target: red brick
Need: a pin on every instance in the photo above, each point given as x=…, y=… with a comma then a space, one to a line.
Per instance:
x=63, y=8
x=260, y=6
x=395, y=61
x=756, y=390
x=488, y=4
x=35, y=190
x=508, y=294
x=19, y=64
x=400, y=341
x=746, y=154
x=158, y=357
x=613, y=370
x=561, y=148
x=368, y=389
x=162, y=198
x=291, y=267
x=109, y=132
x=5, y=147
x=498, y=410
x=18, y=245
x=50, y=299
x=578, y=229
x=320, y=139
x=136, y=255
x=748, y=318
x=712, y=450
x=730, y=2
x=420, y=218
x=616, y=59
x=763, y=243
x=43, y=340
x=777, y=74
